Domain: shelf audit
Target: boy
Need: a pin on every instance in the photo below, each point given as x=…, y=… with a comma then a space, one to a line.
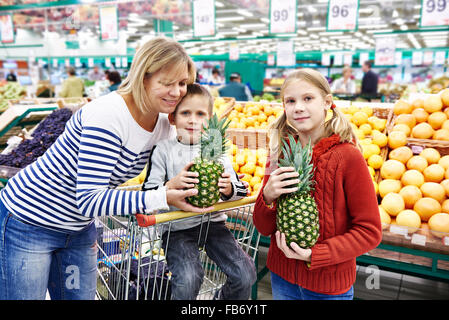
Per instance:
x=168, y=165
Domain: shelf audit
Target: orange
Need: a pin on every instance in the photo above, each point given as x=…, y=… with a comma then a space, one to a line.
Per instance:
x=434, y=173
x=412, y=177
x=260, y=172
x=385, y=218
x=410, y=194
x=417, y=103
x=408, y=119
x=445, y=185
x=422, y=131
x=365, y=128
x=444, y=161
x=392, y=169
x=402, y=127
x=433, y=190
x=389, y=185
x=439, y=224
x=393, y=203
x=397, y=139
x=410, y=219
x=359, y=118
x=441, y=134
x=445, y=124
x=379, y=138
x=436, y=119
x=375, y=161
x=402, y=106
x=432, y=155
x=433, y=103
x=427, y=207
x=402, y=154
x=418, y=163
x=420, y=115
x=444, y=94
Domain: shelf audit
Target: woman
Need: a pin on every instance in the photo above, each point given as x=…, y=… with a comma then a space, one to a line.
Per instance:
x=344, y=84
x=47, y=237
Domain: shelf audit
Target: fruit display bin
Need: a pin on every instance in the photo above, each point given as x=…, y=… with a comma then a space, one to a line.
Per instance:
x=18, y=117
x=249, y=138
x=74, y=104
x=226, y=107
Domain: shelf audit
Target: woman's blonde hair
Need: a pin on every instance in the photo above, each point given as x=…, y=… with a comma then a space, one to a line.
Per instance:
x=337, y=124
x=151, y=57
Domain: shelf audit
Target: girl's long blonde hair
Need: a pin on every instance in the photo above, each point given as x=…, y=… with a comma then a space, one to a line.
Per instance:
x=151, y=57
x=337, y=124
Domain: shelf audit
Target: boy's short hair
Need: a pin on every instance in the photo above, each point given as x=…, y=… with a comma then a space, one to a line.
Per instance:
x=197, y=89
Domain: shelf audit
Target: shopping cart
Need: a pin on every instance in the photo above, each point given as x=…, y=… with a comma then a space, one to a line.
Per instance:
x=131, y=259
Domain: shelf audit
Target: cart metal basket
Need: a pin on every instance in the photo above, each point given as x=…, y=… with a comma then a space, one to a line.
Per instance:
x=131, y=259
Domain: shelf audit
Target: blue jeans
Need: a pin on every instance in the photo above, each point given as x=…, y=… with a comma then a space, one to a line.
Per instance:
x=33, y=259
x=284, y=290
x=183, y=259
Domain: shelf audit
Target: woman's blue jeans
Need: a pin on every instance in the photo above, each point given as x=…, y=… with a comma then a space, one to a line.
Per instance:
x=284, y=290
x=34, y=259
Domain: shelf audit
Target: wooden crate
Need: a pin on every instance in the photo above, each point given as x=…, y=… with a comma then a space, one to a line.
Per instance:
x=230, y=105
x=249, y=138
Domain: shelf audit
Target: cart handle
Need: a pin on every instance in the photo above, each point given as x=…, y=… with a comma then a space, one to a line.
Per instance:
x=149, y=220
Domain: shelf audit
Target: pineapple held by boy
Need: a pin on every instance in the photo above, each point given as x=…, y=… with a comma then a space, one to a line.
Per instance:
x=213, y=146
x=297, y=215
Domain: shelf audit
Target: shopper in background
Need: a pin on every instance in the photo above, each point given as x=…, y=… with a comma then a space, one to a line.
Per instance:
x=343, y=191
x=216, y=78
x=236, y=89
x=72, y=86
x=369, y=81
x=169, y=170
x=115, y=80
x=47, y=210
x=345, y=84
x=95, y=74
x=11, y=76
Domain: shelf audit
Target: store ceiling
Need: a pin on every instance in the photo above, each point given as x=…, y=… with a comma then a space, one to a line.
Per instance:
x=249, y=27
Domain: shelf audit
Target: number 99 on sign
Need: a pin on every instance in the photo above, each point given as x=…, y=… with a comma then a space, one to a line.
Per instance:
x=432, y=5
x=280, y=15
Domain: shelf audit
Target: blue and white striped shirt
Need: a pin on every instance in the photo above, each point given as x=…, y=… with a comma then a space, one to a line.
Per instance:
x=101, y=147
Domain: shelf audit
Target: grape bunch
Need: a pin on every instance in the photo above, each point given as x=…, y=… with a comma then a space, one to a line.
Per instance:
x=43, y=137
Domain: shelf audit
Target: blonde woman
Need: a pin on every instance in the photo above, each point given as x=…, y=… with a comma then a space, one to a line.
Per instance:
x=47, y=237
x=345, y=84
x=344, y=194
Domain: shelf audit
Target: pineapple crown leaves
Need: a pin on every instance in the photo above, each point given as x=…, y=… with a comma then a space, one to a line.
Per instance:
x=213, y=143
x=294, y=155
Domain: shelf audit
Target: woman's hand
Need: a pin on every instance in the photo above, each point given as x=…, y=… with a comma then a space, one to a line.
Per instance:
x=224, y=184
x=278, y=182
x=294, y=251
x=177, y=198
x=184, y=180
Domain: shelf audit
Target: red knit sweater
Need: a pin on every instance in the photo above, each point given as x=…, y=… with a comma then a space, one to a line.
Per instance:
x=348, y=214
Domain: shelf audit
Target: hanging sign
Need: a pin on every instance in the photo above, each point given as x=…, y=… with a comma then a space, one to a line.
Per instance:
x=125, y=62
x=325, y=59
x=285, y=56
x=90, y=62
x=364, y=56
x=342, y=15
x=427, y=57
x=440, y=57
x=398, y=58
x=338, y=59
x=7, y=28
x=385, y=53
x=270, y=60
x=107, y=62
x=203, y=17
x=283, y=16
x=234, y=53
x=108, y=23
x=347, y=59
x=417, y=58
x=434, y=13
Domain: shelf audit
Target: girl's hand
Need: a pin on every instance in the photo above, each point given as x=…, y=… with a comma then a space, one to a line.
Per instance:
x=294, y=251
x=224, y=184
x=177, y=198
x=184, y=180
x=278, y=182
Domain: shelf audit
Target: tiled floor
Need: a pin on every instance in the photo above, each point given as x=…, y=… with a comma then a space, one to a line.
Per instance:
x=376, y=285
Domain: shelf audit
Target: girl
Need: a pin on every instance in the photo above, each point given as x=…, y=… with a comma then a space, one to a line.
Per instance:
x=344, y=194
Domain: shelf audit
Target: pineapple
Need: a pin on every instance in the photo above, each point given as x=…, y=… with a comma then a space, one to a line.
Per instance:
x=297, y=215
x=213, y=146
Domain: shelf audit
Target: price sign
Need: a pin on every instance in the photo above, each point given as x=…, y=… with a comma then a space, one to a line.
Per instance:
x=385, y=51
x=109, y=23
x=417, y=58
x=125, y=62
x=234, y=53
x=7, y=28
x=325, y=59
x=285, y=55
x=364, y=56
x=118, y=62
x=440, y=57
x=342, y=15
x=90, y=62
x=203, y=17
x=428, y=57
x=270, y=60
x=283, y=16
x=434, y=13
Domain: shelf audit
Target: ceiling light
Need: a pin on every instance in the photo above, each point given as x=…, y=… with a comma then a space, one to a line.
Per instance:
x=253, y=25
x=224, y=19
x=379, y=30
x=219, y=4
x=244, y=13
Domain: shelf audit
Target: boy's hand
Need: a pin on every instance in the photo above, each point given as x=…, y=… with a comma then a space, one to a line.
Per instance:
x=245, y=183
x=184, y=180
x=224, y=184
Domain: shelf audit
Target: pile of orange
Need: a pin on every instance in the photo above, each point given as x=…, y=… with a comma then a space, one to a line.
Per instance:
x=254, y=115
x=426, y=118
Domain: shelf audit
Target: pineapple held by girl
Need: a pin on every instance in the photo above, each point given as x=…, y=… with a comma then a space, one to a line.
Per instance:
x=297, y=215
